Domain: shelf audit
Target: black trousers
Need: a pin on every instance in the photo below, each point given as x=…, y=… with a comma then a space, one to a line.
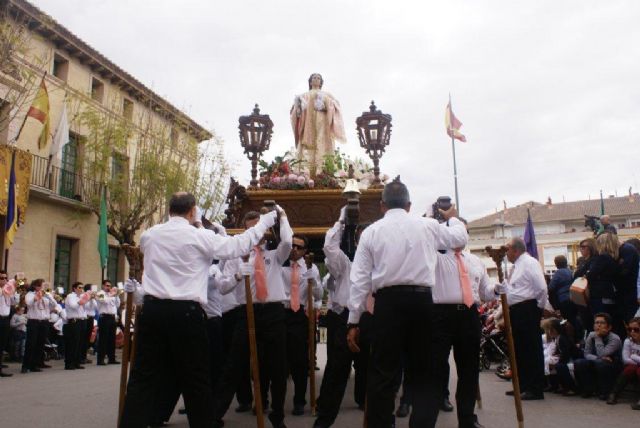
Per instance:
x=402, y=323
x=596, y=376
x=458, y=327
x=34, y=348
x=71, y=335
x=298, y=353
x=5, y=328
x=527, y=341
x=362, y=359
x=244, y=394
x=106, y=337
x=271, y=338
x=216, y=350
x=172, y=338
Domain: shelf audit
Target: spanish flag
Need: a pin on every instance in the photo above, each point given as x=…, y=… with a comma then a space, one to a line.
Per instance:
x=11, y=224
x=453, y=124
x=39, y=110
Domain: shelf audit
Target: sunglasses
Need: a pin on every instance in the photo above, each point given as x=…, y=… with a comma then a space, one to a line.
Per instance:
x=4, y=278
x=633, y=329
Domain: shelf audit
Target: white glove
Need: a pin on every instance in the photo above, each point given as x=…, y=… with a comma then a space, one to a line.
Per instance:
x=130, y=285
x=220, y=228
x=280, y=211
x=500, y=288
x=343, y=214
x=269, y=219
x=246, y=269
x=199, y=213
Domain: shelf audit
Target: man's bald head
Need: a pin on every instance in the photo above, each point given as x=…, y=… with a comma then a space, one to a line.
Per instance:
x=604, y=219
x=181, y=203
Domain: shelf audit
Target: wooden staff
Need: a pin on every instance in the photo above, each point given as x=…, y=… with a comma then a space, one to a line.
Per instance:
x=311, y=312
x=253, y=352
x=135, y=259
x=498, y=256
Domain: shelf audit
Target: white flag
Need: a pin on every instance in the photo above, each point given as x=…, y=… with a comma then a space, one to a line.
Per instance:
x=60, y=138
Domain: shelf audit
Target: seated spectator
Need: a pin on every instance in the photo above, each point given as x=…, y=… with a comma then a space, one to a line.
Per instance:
x=550, y=355
x=631, y=361
x=601, y=364
x=559, y=293
x=565, y=351
x=18, y=333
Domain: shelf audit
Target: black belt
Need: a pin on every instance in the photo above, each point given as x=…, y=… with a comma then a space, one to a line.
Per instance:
x=524, y=303
x=72, y=320
x=149, y=298
x=2, y=317
x=402, y=289
x=458, y=306
x=107, y=315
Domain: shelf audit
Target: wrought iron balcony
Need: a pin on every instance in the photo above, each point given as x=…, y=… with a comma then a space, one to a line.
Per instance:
x=54, y=180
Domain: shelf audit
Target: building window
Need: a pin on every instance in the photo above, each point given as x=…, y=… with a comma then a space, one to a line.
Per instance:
x=113, y=265
x=68, y=167
x=60, y=67
x=97, y=89
x=635, y=222
x=62, y=268
x=127, y=109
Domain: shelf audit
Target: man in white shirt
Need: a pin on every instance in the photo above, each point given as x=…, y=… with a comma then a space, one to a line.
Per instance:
x=295, y=276
x=172, y=325
x=72, y=329
x=526, y=292
x=107, y=310
x=396, y=260
x=39, y=306
x=339, y=356
x=264, y=268
x=461, y=285
x=8, y=298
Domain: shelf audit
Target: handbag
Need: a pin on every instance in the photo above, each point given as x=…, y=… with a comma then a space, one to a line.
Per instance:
x=579, y=291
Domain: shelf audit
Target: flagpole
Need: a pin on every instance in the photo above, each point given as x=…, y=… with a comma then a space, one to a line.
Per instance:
x=453, y=150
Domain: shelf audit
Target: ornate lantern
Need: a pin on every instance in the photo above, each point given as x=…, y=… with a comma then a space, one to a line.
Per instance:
x=255, y=137
x=374, y=132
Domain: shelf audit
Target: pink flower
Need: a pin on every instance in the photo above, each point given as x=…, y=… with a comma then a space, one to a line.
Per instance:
x=275, y=180
x=301, y=180
x=311, y=184
x=293, y=178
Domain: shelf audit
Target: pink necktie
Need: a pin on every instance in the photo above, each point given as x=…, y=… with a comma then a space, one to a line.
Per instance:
x=371, y=301
x=465, y=283
x=260, y=275
x=295, y=287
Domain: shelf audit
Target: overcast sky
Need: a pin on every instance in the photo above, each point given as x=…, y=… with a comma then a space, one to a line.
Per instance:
x=548, y=91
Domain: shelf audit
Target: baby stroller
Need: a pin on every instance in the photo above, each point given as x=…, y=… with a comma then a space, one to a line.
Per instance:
x=493, y=349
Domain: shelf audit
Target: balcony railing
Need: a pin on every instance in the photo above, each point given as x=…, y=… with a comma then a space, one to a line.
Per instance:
x=63, y=182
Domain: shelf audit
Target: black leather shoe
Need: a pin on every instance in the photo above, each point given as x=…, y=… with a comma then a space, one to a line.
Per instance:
x=509, y=393
x=531, y=396
x=243, y=408
x=403, y=410
x=69, y=368
x=24, y=370
x=101, y=363
x=35, y=370
x=298, y=410
x=182, y=411
x=446, y=406
x=477, y=424
x=4, y=366
x=45, y=366
x=5, y=374
x=80, y=367
x=279, y=425
x=114, y=362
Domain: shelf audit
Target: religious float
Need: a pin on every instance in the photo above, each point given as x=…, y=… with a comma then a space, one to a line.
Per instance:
x=313, y=181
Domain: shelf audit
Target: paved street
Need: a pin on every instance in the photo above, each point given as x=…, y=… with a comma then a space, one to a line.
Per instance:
x=88, y=398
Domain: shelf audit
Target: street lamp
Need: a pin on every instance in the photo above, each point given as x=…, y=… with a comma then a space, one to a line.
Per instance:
x=255, y=136
x=374, y=132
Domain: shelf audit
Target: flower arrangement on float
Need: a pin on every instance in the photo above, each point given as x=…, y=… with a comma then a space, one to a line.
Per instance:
x=289, y=173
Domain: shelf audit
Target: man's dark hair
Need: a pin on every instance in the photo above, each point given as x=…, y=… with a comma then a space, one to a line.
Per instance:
x=104, y=281
x=75, y=285
x=518, y=244
x=302, y=238
x=181, y=203
x=560, y=262
x=250, y=215
x=633, y=241
x=87, y=287
x=3, y=272
x=396, y=195
x=606, y=317
x=36, y=283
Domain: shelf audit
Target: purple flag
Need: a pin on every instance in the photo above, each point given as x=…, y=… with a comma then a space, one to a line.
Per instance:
x=530, y=238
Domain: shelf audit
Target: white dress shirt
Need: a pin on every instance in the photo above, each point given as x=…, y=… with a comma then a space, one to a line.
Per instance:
x=526, y=282
x=399, y=249
x=177, y=257
x=218, y=286
x=305, y=275
x=109, y=305
x=6, y=302
x=273, y=260
x=447, y=289
x=39, y=309
x=88, y=309
x=72, y=307
x=339, y=266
